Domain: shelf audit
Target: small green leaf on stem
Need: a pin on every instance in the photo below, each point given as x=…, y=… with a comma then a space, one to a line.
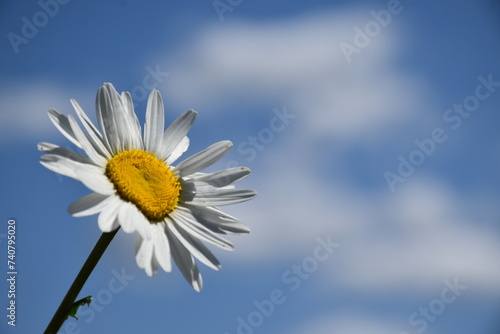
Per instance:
x=76, y=305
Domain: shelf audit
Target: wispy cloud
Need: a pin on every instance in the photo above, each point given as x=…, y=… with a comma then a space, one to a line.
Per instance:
x=299, y=61
x=348, y=322
x=416, y=237
x=24, y=106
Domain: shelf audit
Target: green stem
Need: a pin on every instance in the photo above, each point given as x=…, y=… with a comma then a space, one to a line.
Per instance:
x=62, y=312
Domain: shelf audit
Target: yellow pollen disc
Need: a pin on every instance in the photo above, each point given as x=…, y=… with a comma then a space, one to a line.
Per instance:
x=141, y=178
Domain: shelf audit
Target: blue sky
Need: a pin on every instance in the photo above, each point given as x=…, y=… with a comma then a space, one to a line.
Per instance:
x=321, y=130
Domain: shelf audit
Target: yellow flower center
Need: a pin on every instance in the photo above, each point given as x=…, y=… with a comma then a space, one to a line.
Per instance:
x=141, y=178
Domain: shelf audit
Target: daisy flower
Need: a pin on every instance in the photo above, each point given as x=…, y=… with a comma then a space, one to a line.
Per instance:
x=172, y=209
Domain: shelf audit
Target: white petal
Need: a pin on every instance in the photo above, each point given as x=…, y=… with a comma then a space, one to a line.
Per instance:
x=222, y=197
x=63, y=152
x=162, y=247
x=62, y=124
x=89, y=205
x=107, y=220
x=63, y=165
x=104, y=111
x=144, y=226
x=204, y=158
x=132, y=220
x=144, y=256
x=133, y=122
x=138, y=242
x=155, y=122
x=217, y=221
x=220, y=179
x=185, y=219
x=126, y=217
x=96, y=136
x=185, y=262
x=154, y=264
x=178, y=151
x=175, y=134
x=113, y=119
x=46, y=147
x=195, y=247
x=93, y=178
x=88, y=144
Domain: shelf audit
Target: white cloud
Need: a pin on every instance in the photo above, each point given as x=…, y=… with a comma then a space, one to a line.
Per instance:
x=299, y=61
x=24, y=109
x=411, y=239
x=416, y=237
x=352, y=323
x=419, y=238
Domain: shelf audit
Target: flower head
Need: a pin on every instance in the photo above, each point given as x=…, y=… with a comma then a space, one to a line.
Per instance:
x=172, y=209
